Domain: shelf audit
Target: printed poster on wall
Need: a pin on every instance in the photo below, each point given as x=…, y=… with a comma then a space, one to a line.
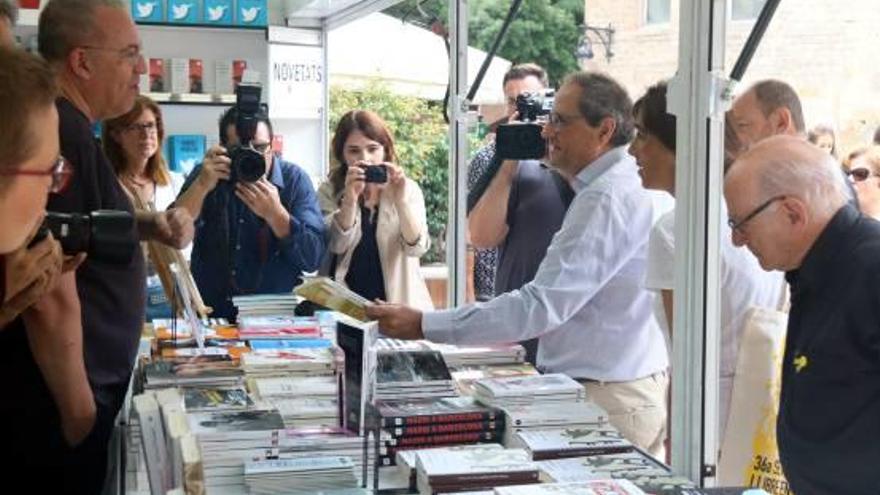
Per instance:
x=296, y=82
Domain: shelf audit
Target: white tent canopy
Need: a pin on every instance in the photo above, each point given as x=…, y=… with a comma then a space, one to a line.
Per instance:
x=411, y=60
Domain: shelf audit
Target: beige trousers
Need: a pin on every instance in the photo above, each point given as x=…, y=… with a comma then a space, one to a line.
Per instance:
x=636, y=408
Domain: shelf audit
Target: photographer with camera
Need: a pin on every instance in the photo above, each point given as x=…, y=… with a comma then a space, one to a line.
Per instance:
x=523, y=205
x=258, y=226
x=375, y=215
x=94, y=49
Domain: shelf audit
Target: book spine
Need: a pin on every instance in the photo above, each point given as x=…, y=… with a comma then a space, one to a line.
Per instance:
x=543, y=455
x=444, y=428
x=397, y=421
x=429, y=440
x=484, y=479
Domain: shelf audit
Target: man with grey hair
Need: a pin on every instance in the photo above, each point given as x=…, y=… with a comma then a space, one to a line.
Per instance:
x=8, y=18
x=788, y=204
x=94, y=48
x=768, y=108
x=586, y=304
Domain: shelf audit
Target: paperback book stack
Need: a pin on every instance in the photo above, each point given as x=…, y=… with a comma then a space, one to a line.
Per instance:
x=424, y=423
x=643, y=471
x=412, y=375
x=278, y=326
x=550, y=416
x=193, y=367
x=301, y=401
x=216, y=399
x=225, y=468
x=525, y=390
x=406, y=460
x=221, y=433
x=457, y=356
x=290, y=362
x=572, y=442
x=466, y=376
x=594, y=487
x=265, y=304
x=307, y=475
x=444, y=471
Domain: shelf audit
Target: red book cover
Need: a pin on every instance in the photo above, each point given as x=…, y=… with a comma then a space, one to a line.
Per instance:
x=278, y=144
x=157, y=75
x=443, y=428
x=195, y=76
x=238, y=68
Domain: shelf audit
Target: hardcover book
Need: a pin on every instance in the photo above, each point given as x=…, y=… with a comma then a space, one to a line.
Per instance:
x=196, y=84
x=204, y=399
x=467, y=470
x=187, y=150
x=400, y=413
x=178, y=74
x=360, y=371
x=157, y=75
x=573, y=442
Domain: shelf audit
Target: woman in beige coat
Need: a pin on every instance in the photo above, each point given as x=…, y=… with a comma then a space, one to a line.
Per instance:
x=375, y=215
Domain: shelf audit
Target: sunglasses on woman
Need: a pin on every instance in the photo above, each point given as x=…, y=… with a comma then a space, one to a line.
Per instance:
x=60, y=172
x=860, y=174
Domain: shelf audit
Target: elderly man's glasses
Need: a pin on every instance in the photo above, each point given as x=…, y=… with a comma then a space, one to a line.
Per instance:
x=131, y=54
x=737, y=226
x=60, y=172
x=860, y=174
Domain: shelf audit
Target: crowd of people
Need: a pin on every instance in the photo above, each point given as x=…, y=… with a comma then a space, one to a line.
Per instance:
x=575, y=252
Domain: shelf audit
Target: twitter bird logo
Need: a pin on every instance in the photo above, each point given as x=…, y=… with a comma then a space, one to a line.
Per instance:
x=145, y=10
x=187, y=165
x=181, y=11
x=215, y=13
x=249, y=15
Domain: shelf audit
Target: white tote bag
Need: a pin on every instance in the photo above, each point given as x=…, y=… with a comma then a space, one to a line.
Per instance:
x=749, y=453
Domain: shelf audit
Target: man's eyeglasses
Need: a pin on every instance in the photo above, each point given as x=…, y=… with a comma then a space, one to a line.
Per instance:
x=737, y=226
x=144, y=127
x=131, y=54
x=860, y=174
x=60, y=172
x=261, y=148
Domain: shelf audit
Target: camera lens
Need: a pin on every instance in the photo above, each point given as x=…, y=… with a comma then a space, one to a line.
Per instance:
x=248, y=165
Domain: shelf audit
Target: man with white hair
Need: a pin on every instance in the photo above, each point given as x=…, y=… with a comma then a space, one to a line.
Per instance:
x=788, y=204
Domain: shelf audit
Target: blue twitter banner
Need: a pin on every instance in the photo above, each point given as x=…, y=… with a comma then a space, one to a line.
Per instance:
x=148, y=10
x=251, y=13
x=218, y=12
x=184, y=11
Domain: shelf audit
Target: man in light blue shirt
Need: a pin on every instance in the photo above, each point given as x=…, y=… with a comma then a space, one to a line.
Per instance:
x=586, y=304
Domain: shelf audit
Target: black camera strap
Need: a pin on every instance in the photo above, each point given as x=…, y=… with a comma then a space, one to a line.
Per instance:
x=483, y=182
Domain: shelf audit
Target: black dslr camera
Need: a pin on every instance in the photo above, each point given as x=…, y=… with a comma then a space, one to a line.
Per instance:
x=521, y=139
x=248, y=164
x=109, y=236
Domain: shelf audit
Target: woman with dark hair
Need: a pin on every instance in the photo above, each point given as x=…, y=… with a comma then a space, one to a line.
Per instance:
x=133, y=145
x=823, y=137
x=743, y=283
x=864, y=172
x=375, y=215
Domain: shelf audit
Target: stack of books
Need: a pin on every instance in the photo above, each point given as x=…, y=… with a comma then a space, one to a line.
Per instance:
x=441, y=471
x=551, y=415
x=265, y=304
x=425, y=423
x=457, y=356
x=406, y=460
x=307, y=475
x=572, y=442
x=524, y=390
x=594, y=487
x=289, y=362
x=192, y=367
x=278, y=327
x=465, y=376
x=301, y=401
x=643, y=471
x=412, y=375
x=216, y=398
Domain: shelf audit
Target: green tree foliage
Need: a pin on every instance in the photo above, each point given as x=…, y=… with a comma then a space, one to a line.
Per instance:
x=545, y=31
x=420, y=140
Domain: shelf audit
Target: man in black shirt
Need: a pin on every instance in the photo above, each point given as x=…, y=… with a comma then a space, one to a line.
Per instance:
x=788, y=203
x=94, y=47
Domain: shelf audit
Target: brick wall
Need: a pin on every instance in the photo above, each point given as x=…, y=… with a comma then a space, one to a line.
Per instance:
x=829, y=51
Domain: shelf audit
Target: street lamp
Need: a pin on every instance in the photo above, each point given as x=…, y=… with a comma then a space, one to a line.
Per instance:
x=605, y=36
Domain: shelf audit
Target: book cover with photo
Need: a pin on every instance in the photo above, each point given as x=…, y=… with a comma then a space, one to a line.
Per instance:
x=430, y=411
x=214, y=398
x=573, y=442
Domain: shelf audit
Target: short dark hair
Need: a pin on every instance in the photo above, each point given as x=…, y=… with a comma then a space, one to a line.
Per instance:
x=27, y=86
x=602, y=97
x=9, y=10
x=228, y=119
x=522, y=71
x=651, y=110
x=773, y=93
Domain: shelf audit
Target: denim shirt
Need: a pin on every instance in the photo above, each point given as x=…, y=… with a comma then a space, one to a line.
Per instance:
x=235, y=251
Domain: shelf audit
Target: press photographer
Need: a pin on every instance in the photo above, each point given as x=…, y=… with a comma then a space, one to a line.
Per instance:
x=515, y=205
x=258, y=226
